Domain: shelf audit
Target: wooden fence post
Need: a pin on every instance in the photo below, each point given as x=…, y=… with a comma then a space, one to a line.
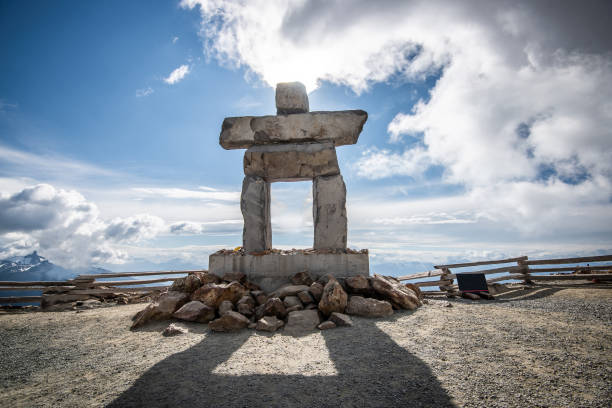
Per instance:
x=524, y=270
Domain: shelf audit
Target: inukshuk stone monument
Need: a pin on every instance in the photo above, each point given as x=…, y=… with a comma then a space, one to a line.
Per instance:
x=294, y=145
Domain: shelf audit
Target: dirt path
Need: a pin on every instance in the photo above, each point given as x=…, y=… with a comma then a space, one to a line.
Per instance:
x=549, y=346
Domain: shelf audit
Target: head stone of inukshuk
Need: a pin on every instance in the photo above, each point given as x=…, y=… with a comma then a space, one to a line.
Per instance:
x=294, y=145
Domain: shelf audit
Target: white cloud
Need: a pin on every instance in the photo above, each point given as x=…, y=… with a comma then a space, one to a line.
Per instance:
x=141, y=93
x=520, y=115
x=202, y=193
x=186, y=227
x=69, y=230
x=377, y=164
x=174, y=40
x=177, y=75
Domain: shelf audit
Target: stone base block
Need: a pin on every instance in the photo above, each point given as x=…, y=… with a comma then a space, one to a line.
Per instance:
x=271, y=271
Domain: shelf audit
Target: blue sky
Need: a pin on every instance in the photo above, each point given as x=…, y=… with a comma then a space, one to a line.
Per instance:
x=488, y=131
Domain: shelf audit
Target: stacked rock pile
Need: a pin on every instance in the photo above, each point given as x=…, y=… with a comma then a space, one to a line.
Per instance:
x=231, y=302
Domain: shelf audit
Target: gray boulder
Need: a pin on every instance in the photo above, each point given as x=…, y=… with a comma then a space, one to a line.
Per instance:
x=229, y=322
x=368, y=307
x=195, y=311
x=302, y=320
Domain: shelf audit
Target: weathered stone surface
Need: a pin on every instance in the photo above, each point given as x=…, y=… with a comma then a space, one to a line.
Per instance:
x=329, y=212
x=358, y=285
x=368, y=307
x=255, y=207
x=341, y=319
x=206, y=278
x=225, y=306
x=311, y=306
x=173, y=330
x=246, y=299
x=229, y=322
x=192, y=283
x=302, y=278
x=302, y=320
x=328, y=324
x=395, y=292
x=269, y=324
x=272, y=270
x=213, y=294
x=294, y=308
x=339, y=127
x=291, y=97
x=290, y=301
x=170, y=302
x=195, y=311
x=316, y=290
x=415, y=289
x=288, y=290
x=305, y=297
x=273, y=307
x=149, y=313
x=259, y=296
x=333, y=299
x=245, y=309
x=291, y=162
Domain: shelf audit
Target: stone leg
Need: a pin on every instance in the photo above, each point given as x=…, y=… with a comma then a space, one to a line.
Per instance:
x=329, y=212
x=255, y=206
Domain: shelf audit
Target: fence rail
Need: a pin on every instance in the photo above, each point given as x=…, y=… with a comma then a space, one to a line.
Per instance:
x=519, y=268
x=90, y=284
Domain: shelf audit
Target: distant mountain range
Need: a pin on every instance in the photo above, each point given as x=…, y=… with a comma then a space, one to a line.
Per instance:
x=34, y=267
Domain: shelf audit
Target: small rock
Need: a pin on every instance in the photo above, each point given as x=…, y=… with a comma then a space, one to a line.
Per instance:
x=269, y=324
x=259, y=296
x=229, y=322
x=340, y=319
x=273, y=307
x=192, y=283
x=206, y=278
x=328, y=324
x=333, y=299
x=305, y=297
x=151, y=312
x=302, y=320
x=171, y=301
x=294, y=308
x=448, y=304
x=288, y=290
x=246, y=309
x=225, y=306
x=252, y=325
x=195, y=311
x=358, y=285
x=173, y=330
x=368, y=307
x=213, y=294
x=316, y=290
x=311, y=306
x=290, y=301
x=291, y=97
x=302, y=278
x=392, y=290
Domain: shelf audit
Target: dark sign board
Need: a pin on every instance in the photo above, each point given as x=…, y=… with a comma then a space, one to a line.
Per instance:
x=472, y=282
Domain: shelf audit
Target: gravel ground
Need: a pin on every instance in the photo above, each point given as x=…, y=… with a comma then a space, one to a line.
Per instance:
x=548, y=346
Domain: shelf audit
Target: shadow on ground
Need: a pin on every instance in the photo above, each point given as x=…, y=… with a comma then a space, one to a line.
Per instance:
x=373, y=371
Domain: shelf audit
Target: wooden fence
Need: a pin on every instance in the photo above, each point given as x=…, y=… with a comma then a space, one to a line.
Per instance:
x=84, y=286
x=520, y=268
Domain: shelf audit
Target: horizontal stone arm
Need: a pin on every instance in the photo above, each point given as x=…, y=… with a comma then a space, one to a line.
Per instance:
x=338, y=127
x=291, y=162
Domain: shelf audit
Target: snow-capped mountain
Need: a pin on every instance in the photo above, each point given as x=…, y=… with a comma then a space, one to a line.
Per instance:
x=33, y=267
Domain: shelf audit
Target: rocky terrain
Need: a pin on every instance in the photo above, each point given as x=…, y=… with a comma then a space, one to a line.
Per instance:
x=232, y=303
x=542, y=346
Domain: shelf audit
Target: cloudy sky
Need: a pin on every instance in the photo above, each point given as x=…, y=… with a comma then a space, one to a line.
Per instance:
x=489, y=130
